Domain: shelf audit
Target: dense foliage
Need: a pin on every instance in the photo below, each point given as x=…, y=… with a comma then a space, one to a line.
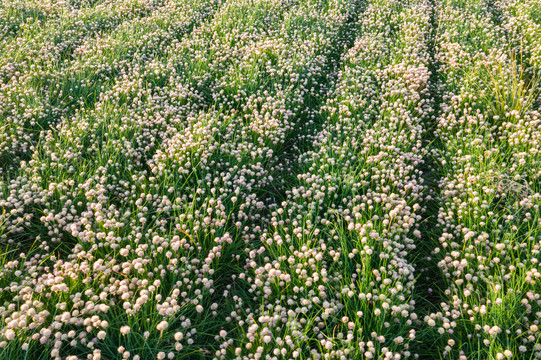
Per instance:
x=270, y=179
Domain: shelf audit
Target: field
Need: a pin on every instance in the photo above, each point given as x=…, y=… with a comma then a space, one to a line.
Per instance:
x=270, y=179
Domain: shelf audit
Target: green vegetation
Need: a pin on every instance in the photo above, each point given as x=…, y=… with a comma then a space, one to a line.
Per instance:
x=270, y=179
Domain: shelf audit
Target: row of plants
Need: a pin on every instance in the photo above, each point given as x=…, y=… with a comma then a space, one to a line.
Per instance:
x=487, y=234
x=331, y=277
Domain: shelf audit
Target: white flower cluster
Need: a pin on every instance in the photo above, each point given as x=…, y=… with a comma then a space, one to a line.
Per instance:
x=57, y=57
x=488, y=233
x=334, y=280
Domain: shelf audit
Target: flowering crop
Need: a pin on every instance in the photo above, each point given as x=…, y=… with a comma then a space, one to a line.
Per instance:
x=487, y=235
x=334, y=275
x=270, y=179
